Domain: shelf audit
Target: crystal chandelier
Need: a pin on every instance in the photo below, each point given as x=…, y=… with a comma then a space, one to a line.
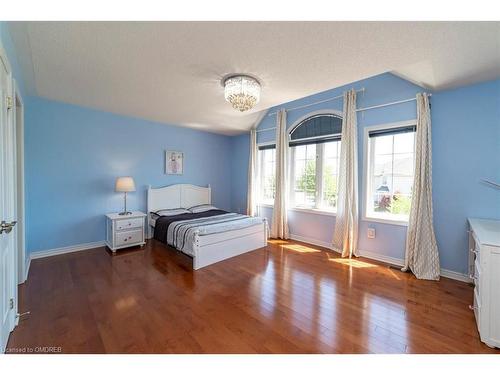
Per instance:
x=243, y=92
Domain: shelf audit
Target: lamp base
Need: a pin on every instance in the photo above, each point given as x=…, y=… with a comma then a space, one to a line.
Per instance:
x=125, y=213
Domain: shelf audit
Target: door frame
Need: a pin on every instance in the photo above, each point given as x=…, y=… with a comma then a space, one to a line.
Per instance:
x=11, y=117
x=22, y=262
x=22, y=269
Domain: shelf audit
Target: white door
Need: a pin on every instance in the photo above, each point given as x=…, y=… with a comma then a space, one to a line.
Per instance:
x=7, y=207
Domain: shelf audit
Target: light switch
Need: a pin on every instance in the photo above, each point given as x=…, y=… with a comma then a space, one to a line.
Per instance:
x=371, y=233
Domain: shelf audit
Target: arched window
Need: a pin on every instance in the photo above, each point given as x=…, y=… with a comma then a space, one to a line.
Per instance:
x=314, y=161
x=317, y=129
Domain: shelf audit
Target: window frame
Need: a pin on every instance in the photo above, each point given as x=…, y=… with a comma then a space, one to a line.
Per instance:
x=260, y=163
x=366, y=169
x=291, y=186
x=319, y=166
x=318, y=208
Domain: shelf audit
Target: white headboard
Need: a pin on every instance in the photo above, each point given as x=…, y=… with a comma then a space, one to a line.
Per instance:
x=179, y=195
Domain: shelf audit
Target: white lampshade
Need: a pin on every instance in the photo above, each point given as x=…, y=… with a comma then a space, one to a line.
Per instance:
x=125, y=184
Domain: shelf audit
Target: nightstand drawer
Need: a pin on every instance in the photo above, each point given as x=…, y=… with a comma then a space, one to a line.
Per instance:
x=124, y=231
x=129, y=223
x=128, y=238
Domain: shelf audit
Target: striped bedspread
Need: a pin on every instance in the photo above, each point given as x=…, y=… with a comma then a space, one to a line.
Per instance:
x=181, y=234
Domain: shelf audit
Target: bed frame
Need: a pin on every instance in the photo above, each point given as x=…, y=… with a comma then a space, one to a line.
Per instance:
x=210, y=248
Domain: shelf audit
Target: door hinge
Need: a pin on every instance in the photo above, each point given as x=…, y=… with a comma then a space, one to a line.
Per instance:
x=10, y=102
x=11, y=303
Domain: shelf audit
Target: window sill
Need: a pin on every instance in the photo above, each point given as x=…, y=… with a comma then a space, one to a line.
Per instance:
x=305, y=210
x=265, y=205
x=373, y=219
x=314, y=211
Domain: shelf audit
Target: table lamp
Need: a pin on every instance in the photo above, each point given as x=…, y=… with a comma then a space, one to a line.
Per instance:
x=125, y=185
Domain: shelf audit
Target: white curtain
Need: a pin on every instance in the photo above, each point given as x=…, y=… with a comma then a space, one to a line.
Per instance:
x=345, y=236
x=252, y=192
x=279, y=227
x=422, y=256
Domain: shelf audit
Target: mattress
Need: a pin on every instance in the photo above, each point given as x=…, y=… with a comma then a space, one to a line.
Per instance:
x=179, y=231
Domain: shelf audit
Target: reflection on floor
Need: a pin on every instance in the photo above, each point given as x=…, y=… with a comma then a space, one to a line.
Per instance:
x=289, y=297
x=352, y=262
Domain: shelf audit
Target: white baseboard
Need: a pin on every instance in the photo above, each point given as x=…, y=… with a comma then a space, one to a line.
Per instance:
x=65, y=250
x=312, y=241
x=381, y=258
x=455, y=275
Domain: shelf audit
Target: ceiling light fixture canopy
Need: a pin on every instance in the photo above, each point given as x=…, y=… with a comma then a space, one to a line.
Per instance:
x=242, y=91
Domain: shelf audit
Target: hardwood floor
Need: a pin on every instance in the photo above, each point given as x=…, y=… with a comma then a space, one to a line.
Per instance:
x=287, y=298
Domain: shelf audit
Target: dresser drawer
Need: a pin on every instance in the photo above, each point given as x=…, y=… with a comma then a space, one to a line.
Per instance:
x=474, y=247
x=129, y=223
x=476, y=277
x=128, y=237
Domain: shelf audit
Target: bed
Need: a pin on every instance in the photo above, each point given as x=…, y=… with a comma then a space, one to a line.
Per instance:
x=207, y=238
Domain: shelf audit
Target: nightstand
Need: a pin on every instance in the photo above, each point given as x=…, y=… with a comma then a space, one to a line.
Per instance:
x=125, y=230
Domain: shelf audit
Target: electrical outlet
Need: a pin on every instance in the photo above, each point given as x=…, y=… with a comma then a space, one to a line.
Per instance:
x=371, y=233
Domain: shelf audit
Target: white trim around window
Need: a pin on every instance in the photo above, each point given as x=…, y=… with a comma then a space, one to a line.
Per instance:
x=366, y=167
x=314, y=211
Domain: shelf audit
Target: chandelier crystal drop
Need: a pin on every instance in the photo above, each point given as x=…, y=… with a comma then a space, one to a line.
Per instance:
x=243, y=92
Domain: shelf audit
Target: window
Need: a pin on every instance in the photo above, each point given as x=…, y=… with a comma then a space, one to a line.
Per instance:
x=314, y=162
x=331, y=166
x=304, y=181
x=391, y=158
x=267, y=169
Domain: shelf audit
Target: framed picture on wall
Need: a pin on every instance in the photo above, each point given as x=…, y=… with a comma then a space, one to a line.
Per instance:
x=174, y=162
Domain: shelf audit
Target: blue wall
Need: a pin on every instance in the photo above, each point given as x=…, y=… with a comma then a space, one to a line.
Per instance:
x=240, y=149
x=74, y=154
x=458, y=156
x=466, y=149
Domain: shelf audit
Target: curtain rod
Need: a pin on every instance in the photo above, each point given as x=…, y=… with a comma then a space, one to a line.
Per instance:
x=319, y=102
x=387, y=104
x=361, y=109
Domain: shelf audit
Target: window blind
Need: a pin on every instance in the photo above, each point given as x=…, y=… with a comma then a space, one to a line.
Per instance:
x=382, y=132
x=317, y=129
x=267, y=147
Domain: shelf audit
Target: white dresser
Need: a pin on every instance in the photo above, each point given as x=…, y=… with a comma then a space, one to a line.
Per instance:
x=125, y=230
x=484, y=270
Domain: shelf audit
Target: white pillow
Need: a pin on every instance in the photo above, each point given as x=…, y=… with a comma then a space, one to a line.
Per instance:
x=202, y=208
x=172, y=212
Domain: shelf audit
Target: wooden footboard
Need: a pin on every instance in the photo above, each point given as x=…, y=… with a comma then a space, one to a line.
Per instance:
x=216, y=247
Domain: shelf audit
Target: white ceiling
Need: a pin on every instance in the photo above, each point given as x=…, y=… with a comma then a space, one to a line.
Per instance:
x=170, y=71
